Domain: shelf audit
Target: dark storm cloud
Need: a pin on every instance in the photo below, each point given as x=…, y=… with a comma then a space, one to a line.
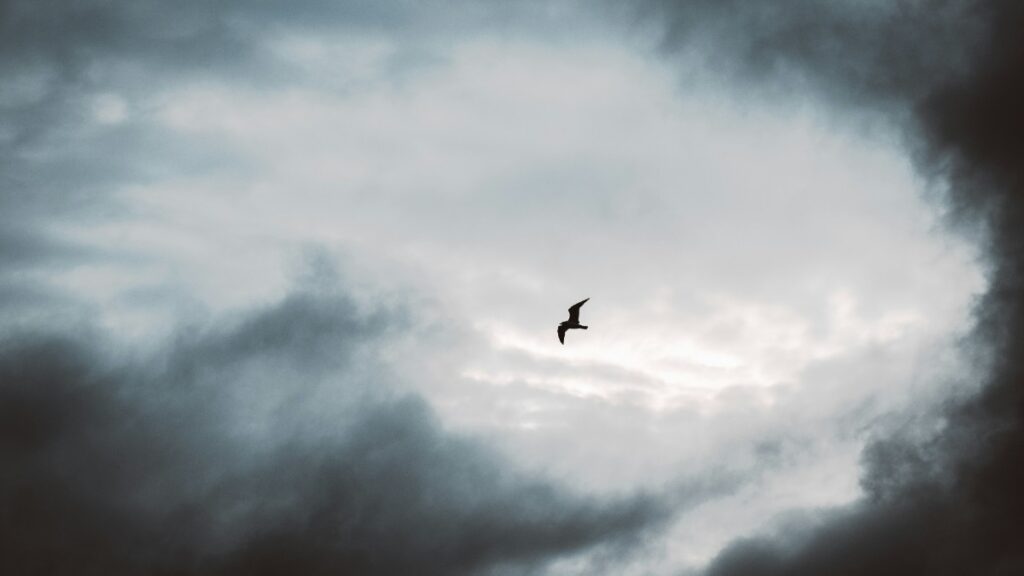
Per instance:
x=118, y=465
x=951, y=74
x=875, y=53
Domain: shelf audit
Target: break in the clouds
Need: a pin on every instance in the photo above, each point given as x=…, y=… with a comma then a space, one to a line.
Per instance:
x=280, y=283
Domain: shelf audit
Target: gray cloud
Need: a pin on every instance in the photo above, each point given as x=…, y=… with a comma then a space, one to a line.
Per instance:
x=878, y=54
x=118, y=465
x=950, y=72
x=59, y=59
x=124, y=466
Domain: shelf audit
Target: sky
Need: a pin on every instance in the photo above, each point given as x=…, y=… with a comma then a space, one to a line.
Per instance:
x=279, y=285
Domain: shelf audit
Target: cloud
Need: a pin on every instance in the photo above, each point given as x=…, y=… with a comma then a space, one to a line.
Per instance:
x=219, y=455
x=951, y=74
x=240, y=447
x=878, y=54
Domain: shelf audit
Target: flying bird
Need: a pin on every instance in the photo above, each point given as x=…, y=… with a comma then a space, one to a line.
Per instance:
x=573, y=322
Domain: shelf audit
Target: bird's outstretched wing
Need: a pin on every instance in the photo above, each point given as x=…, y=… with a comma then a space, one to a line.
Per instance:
x=561, y=334
x=574, y=310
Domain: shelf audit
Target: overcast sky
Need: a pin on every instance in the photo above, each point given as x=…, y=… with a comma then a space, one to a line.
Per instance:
x=279, y=285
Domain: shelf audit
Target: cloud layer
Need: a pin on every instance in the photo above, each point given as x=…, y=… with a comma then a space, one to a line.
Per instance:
x=216, y=456
x=951, y=73
x=281, y=442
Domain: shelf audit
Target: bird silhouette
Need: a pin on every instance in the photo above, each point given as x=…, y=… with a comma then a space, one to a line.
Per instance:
x=573, y=322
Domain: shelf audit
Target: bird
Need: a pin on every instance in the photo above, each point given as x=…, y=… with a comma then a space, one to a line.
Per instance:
x=573, y=322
